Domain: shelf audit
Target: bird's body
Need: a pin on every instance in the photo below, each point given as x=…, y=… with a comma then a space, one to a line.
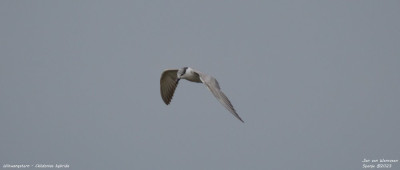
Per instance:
x=170, y=79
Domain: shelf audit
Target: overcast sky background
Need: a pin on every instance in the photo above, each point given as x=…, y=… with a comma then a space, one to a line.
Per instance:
x=317, y=84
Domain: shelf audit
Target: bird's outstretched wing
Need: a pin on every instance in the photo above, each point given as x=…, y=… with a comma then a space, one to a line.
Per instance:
x=168, y=83
x=213, y=86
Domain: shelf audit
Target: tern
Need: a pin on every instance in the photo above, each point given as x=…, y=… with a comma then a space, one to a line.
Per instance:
x=170, y=78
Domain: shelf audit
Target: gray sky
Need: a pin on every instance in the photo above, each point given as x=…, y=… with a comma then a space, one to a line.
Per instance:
x=317, y=84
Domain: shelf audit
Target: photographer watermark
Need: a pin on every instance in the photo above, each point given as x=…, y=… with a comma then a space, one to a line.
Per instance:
x=24, y=166
x=379, y=163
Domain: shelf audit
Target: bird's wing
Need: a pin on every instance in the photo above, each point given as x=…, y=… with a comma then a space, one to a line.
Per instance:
x=213, y=86
x=168, y=83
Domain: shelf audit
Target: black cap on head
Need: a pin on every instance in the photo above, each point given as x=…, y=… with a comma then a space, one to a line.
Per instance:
x=182, y=71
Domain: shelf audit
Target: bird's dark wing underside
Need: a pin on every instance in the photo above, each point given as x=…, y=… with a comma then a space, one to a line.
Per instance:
x=168, y=84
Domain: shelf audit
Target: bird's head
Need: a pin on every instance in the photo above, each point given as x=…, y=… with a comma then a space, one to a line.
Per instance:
x=181, y=72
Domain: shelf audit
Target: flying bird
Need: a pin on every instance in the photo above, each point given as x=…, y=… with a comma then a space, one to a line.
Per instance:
x=170, y=79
